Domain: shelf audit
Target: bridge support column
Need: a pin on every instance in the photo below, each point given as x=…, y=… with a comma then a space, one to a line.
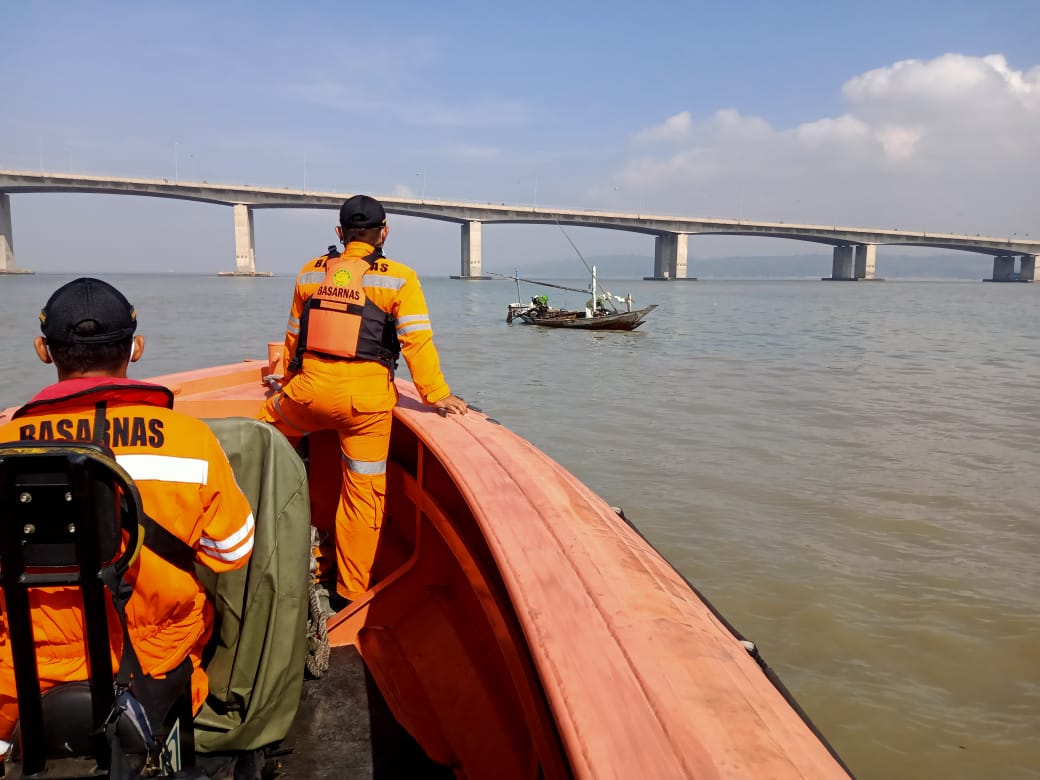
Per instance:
x=866, y=260
x=1003, y=268
x=472, y=260
x=842, y=265
x=1030, y=271
x=245, y=253
x=6, y=235
x=670, y=257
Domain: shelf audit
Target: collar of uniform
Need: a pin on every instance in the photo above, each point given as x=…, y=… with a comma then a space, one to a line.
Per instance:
x=116, y=388
x=357, y=249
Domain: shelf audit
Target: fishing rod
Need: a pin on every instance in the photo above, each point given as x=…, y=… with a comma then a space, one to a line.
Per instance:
x=534, y=281
x=592, y=273
x=565, y=235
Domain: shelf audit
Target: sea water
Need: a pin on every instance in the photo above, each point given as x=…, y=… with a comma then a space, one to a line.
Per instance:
x=849, y=472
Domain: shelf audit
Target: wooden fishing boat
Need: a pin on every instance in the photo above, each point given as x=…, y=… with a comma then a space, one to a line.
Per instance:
x=517, y=626
x=601, y=320
x=601, y=313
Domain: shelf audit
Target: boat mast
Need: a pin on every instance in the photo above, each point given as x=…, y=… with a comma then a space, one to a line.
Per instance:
x=593, y=291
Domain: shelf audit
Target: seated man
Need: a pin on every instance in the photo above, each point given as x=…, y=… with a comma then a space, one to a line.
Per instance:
x=183, y=476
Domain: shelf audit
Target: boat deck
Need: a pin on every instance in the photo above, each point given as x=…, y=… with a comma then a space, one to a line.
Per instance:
x=343, y=728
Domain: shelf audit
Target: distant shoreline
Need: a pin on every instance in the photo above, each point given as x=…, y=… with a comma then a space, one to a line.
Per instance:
x=958, y=267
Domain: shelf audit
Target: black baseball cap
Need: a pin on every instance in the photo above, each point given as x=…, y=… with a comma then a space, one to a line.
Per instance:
x=362, y=212
x=83, y=300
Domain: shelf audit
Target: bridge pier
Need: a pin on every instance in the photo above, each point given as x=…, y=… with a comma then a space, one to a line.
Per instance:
x=472, y=260
x=866, y=262
x=245, y=251
x=854, y=263
x=1004, y=269
x=670, y=252
x=7, y=238
x=245, y=244
x=843, y=264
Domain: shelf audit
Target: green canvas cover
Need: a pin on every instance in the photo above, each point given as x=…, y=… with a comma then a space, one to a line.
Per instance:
x=260, y=630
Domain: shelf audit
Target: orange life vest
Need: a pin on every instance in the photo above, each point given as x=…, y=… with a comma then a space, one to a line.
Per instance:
x=340, y=322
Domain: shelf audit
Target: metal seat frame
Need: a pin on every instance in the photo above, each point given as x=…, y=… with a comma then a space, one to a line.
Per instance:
x=68, y=512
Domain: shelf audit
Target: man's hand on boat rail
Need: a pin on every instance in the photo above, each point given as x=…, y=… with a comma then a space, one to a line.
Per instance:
x=451, y=405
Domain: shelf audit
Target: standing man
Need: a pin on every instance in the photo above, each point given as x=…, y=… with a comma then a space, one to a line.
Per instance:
x=352, y=315
x=182, y=474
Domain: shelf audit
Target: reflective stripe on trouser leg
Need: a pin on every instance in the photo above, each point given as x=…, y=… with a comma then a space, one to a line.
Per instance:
x=362, y=505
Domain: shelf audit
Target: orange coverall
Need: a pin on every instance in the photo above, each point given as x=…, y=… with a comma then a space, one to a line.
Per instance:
x=356, y=399
x=186, y=485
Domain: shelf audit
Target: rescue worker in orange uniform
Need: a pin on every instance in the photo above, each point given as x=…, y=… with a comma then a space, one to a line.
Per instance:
x=352, y=315
x=183, y=476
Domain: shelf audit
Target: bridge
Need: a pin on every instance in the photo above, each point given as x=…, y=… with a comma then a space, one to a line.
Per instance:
x=854, y=249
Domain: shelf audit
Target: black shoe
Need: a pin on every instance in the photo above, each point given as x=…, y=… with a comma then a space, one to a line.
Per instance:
x=337, y=603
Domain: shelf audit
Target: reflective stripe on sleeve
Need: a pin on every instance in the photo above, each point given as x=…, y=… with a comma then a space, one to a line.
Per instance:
x=411, y=323
x=165, y=468
x=413, y=328
x=311, y=277
x=368, y=467
x=232, y=548
x=386, y=282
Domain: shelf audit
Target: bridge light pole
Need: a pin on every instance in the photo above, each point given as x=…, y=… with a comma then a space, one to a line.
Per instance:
x=422, y=188
x=176, y=162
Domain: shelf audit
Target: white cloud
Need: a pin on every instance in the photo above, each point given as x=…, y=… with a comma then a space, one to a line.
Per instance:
x=726, y=123
x=843, y=130
x=942, y=144
x=674, y=128
x=949, y=79
x=899, y=143
x=729, y=124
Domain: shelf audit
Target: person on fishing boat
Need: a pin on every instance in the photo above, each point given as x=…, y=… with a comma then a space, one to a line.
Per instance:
x=540, y=303
x=600, y=305
x=353, y=314
x=183, y=476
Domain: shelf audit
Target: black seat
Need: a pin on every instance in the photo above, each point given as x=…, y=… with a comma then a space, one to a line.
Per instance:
x=65, y=510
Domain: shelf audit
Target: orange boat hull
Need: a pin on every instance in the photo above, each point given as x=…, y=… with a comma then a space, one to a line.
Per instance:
x=518, y=627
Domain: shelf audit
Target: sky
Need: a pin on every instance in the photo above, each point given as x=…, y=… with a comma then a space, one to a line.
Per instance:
x=915, y=115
